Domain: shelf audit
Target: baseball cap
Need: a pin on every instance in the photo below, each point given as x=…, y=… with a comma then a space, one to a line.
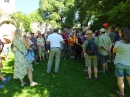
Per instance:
x=89, y=31
x=102, y=30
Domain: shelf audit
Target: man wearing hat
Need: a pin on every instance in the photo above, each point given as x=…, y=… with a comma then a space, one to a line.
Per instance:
x=104, y=49
x=90, y=60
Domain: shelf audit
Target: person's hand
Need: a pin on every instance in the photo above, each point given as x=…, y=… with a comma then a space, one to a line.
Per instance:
x=1, y=65
x=85, y=54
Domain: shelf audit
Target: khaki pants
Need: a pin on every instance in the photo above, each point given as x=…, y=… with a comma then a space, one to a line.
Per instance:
x=54, y=52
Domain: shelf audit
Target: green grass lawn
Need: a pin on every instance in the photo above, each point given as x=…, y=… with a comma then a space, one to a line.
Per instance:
x=70, y=82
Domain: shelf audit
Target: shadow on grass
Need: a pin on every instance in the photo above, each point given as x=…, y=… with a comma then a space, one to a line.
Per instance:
x=70, y=82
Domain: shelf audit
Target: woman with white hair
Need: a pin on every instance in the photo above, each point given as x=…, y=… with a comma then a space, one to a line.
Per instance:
x=78, y=49
x=21, y=65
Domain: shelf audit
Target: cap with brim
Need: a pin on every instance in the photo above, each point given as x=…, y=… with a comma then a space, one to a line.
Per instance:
x=89, y=32
x=102, y=30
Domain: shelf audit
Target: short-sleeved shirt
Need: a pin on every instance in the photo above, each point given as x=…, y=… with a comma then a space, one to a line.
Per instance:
x=41, y=41
x=85, y=44
x=55, y=40
x=104, y=40
x=123, y=53
x=65, y=36
x=112, y=36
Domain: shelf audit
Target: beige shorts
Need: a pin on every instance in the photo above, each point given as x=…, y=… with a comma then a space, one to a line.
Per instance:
x=91, y=60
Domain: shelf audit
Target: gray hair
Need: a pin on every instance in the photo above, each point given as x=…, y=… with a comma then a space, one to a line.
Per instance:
x=17, y=33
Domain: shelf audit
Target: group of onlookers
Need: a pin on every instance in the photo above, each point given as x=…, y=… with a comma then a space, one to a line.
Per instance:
x=114, y=44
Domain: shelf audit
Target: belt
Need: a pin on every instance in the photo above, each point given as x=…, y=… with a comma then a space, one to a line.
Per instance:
x=55, y=47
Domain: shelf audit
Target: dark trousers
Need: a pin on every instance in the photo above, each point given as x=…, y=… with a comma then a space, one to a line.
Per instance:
x=78, y=52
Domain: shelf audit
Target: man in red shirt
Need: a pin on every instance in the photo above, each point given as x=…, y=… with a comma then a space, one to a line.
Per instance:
x=66, y=45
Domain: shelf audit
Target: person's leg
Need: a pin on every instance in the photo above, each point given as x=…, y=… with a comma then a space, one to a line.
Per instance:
x=95, y=72
x=51, y=57
x=76, y=55
x=43, y=55
x=57, y=60
x=40, y=53
x=89, y=72
x=120, y=83
x=103, y=67
x=30, y=75
x=94, y=64
x=68, y=51
x=1, y=76
x=128, y=79
x=21, y=80
x=65, y=51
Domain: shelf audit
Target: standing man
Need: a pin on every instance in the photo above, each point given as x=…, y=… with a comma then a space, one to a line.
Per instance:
x=54, y=40
x=104, y=49
x=4, y=80
x=90, y=55
x=66, y=46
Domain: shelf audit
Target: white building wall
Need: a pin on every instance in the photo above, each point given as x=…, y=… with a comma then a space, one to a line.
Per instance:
x=7, y=7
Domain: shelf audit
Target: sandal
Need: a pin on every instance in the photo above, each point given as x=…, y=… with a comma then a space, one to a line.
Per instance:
x=88, y=78
x=23, y=84
x=33, y=84
x=120, y=94
x=96, y=78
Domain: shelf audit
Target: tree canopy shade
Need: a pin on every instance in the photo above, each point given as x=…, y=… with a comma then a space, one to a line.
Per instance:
x=68, y=13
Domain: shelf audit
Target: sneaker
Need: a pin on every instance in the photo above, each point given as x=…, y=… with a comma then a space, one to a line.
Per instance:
x=23, y=84
x=1, y=86
x=33, y=84
x=88, y=78
x=96, y=78
x=7, y=79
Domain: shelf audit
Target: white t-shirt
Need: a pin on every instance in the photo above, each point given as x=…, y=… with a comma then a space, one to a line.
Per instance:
x=55, y=40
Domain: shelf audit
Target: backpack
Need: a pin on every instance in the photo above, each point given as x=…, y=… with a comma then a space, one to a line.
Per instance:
x=92, y=48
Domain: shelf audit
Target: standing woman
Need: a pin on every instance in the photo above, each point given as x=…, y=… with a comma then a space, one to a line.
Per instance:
x=122, y=59
x=41, y=46
x=21, y=65
x=78, y=49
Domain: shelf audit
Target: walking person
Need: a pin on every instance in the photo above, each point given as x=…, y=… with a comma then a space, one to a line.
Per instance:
x=122, y=59
x=4, y=80
x=54, y=40
x=21, y=65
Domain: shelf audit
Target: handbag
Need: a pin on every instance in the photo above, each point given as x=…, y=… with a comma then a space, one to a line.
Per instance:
x=28, y=56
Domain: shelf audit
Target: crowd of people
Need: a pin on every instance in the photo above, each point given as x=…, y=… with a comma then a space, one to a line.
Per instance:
x=110, y=47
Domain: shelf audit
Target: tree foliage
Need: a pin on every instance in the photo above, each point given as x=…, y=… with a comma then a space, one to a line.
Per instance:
x=21, y=21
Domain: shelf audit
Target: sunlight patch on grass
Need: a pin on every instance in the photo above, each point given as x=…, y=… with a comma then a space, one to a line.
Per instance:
x=45, y=92
x=5, y=91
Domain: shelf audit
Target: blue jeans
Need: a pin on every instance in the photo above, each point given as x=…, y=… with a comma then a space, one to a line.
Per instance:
x=122, y=70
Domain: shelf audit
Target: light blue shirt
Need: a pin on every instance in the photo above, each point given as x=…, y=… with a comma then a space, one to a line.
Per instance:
x=123, y=53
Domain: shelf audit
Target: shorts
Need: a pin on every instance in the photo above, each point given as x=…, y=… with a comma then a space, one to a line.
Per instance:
x=103, y=59
x=122, y=70
x=91, y=61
